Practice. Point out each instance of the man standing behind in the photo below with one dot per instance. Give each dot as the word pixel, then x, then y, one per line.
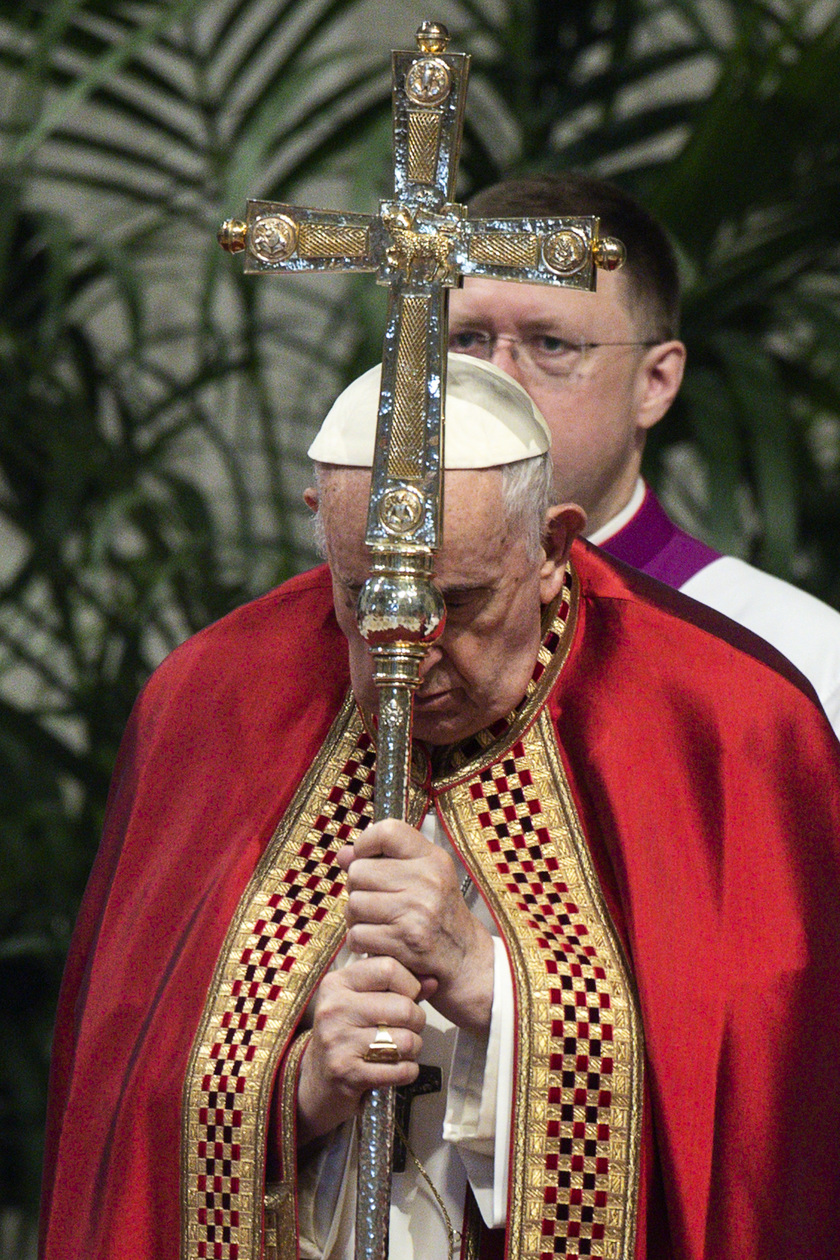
pixel 604 368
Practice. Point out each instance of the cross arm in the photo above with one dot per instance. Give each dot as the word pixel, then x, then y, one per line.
pixel 279 237
pixel 286 238
pixel 552 251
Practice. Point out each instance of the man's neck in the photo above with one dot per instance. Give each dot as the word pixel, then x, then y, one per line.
pixel 621 518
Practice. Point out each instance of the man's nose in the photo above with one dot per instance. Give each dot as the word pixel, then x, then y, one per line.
pixel 506 356
pixel 433 655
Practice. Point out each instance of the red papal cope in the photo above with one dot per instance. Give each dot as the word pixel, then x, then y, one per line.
pixel 655 832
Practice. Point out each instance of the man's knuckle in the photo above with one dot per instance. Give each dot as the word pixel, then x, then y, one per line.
pixel 392 971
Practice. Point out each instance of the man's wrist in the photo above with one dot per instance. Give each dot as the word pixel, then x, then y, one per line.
pixel 472 1003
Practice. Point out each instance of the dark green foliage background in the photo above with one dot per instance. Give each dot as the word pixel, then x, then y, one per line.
pixel 129 131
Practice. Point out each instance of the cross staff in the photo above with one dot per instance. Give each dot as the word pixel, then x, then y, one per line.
pixel 420 244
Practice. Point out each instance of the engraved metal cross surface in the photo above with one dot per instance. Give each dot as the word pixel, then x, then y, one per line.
pixel 420 244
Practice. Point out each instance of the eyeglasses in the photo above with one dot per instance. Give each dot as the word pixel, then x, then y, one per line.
pixel 541 354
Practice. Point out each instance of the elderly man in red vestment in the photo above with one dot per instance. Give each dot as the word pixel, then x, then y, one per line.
pixel 611 921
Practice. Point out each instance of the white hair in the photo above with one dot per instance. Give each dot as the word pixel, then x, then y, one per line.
pixel 527 494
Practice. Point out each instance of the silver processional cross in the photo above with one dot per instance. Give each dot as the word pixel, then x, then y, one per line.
pixel 420 244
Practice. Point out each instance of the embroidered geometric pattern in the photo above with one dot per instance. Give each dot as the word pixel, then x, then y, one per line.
pixel 579 1080
pixel 287 926
pixel 554 636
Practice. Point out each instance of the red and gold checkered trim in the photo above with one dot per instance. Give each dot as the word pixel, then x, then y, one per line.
pixel 578 1079
pixel 287 928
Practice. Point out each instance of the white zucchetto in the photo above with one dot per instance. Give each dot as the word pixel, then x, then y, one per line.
pixel 490 420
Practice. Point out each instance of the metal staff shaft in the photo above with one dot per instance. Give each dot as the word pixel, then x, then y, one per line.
pixel 419 244
pixel 377 1117
pixel 400 614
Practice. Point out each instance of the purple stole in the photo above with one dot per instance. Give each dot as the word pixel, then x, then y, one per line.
pixel 651 542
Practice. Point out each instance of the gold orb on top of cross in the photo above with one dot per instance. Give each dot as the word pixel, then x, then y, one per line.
pixel 432 37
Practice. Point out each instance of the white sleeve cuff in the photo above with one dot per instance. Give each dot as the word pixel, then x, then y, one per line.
pixel 326 1196
pixel 479 1097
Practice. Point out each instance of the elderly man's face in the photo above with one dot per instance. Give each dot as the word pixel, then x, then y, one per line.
pixel 479 668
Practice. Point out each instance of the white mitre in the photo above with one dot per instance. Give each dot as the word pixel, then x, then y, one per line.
pixel 490 420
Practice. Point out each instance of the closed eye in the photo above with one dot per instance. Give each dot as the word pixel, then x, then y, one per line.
pixel 468 599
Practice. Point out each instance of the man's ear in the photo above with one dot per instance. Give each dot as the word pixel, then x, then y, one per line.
pixel 563 523
pixel 660 380
pixel 310 498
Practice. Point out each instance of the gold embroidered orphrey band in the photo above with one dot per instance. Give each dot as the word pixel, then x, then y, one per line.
pixel 578 1077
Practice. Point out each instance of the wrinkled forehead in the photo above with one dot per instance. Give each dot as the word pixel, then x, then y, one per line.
pixel 343 498
pixel 341 488
pixel 472 519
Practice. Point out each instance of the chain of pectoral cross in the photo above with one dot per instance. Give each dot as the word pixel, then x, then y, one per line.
pixel 420 244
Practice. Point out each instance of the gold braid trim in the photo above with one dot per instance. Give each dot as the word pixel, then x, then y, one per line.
pixel 287 927
pixel 280 1241
pixel 473 1229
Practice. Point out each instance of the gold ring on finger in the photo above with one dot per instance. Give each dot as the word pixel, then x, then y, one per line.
pixel 383 1048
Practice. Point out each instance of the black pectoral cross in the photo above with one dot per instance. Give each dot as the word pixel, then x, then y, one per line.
pixel 429 1081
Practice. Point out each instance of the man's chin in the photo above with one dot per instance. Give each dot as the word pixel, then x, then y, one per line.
pixel 439 729
pixel 440 719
